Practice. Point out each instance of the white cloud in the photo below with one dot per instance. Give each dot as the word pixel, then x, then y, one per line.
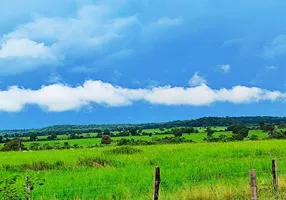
pixel 24 48
pixel 272 67
pixel 83 69
pixel 95 33
pixel 167 22
pixel 59 97
pixel 276 48
pixel 196 80
pixel 54 78
pixel 18 55
pixel 225 68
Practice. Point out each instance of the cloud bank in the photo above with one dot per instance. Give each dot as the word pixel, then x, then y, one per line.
pixel 59 97
pixel 94 34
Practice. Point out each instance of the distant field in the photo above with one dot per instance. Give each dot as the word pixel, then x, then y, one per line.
pixel 188 171
pixel 197 137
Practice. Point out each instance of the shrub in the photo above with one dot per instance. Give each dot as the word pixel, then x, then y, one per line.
pixel 106 139
pixel 278 135
pixel 254 137
pixel 13 145
pixel 124 150
pixel 97 162
pixel 35 166
pixel 35 146
pixel 238 129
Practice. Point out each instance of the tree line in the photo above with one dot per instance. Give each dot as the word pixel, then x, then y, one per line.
pixel 96 128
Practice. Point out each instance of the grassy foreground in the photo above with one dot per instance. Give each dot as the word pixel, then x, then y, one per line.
pixel 188 171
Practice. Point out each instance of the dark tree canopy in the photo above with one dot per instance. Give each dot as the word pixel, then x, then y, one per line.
pixel 106 139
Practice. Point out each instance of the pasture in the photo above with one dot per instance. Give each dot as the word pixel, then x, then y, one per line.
pixel 86 142
pixel 188 171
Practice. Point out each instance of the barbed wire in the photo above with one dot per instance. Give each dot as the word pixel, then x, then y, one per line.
pixel 164 182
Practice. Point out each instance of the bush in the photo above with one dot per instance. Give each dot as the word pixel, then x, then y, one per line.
pixel 278 135
pixel 35 166
pixel 124 150
pixel 97 162
pixel 254 137
pixel 106 139
pixel 35 146
pixel 238 129
pixel 13 145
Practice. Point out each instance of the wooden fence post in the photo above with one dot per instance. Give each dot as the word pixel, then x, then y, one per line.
pixel 275 178
pixel 253 184
pixel 156 183
pixel 28 188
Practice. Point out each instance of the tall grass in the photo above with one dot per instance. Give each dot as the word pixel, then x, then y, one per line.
pixel 188 171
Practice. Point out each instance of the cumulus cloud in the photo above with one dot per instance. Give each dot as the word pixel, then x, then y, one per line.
pixel 96 33
pixel 59 97
pixel 196 79
pixel 225 68
pixel 18 55
pixel 24 48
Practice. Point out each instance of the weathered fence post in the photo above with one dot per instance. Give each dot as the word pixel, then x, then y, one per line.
pixel 253 184
pixel 28 188
pixel 275 178
pixel 156 183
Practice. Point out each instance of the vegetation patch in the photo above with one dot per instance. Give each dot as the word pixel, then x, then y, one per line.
pixel 97 162
pixel 124 150
pixel 35 166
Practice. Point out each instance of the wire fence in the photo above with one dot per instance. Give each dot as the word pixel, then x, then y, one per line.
pixel 115 189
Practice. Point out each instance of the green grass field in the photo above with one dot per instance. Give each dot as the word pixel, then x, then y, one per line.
pixel 188 171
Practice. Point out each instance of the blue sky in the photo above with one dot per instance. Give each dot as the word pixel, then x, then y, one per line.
pixel 127 61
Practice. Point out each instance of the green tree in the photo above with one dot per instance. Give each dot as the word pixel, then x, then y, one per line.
pixel 106 132
pixel 178 132
pixel 13 145
pixel 33 136
pixel 52 137
pixel 239 129
pixel 106 139
pixel 210 132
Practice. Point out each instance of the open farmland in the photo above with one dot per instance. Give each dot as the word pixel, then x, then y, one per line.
pixel 188 171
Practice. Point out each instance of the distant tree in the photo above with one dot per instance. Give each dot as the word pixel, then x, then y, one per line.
pixel 261 125
pixel 52 137
pixel 239 129
pixel 106 132
pixel 33 136
pixel 1 138
pixel 210 132
pixel 150 134
pixel 189 130
pixel 106 139
pixel 270 128
pixel 196 130
pixel 13 145
pixel 178 132
pixel 133 131
pixel 66 145
pixel 140 130
pixel 73 136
